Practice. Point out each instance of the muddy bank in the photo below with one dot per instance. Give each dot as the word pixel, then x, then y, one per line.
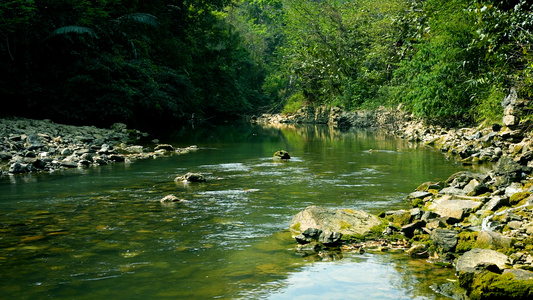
pixel 43 146
pixel 479 223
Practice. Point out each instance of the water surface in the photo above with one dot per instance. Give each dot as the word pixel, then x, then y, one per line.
pixel 102 232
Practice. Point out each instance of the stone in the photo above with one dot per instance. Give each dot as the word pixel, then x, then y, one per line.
pixel 170 199
pixel 495 203
pixel 514 225
pixel 460 179
pixel 430 185
pixel 165 147
pixel 470 259
pixel 329 238
pixel 452 191
pixel 33 141
pixel 436 223
pixel 282 154
pixel 507 165
pixel 191 177
pixel 117 158
pixel 348 222
pixel 308 236
pixel 444 239
pixel 510 120
pixel 409 229
pixel 134 149
pixel 519 274
pixel 17 168
pixel 429 215
pixel 418 251
pixel 66 152
pixel 5 156
pixel 69 164
pixel 416 213
pixel 447 206
pixel 118 127
pixel 419 195
pixel 493 240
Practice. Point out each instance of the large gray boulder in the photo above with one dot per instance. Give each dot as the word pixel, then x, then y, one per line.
pixel 451 207
pixel 472 258
pixel 348 222
pixel 444 239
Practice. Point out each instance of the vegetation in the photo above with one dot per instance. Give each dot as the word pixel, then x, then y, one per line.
pixel 155 63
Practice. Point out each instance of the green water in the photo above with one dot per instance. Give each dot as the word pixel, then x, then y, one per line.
pixel 101 233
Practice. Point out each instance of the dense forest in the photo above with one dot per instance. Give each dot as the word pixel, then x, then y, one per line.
pixel 154 63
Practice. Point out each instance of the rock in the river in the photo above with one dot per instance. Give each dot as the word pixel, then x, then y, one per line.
pixel 348 222
pixel 418 251
pixel 19 168
pixel 171 199
pixel 191 177
pixel 282 154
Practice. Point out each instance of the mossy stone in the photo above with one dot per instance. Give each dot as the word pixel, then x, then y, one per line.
pixel 517 197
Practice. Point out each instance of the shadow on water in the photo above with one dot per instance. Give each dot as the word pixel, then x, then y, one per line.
pixel 102 232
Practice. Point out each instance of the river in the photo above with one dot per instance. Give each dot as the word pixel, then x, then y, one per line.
pixel 101 233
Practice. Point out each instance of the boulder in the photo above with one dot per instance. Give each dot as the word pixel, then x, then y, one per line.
pixel 519 274
pixel 17 167
pixel 348 222
pixel 191 177
pixel 474 257
pixel 450 207
pixel 170 199
pixel 493 240
pixel 418 251
pixel 495 203
pixel 409 229
pixel 33 141
pixel 282 154
pixel 444 239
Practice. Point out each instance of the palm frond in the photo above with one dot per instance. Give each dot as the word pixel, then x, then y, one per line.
pixel 73 29
pixel 143 18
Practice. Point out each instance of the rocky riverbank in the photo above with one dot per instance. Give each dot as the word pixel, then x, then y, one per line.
pixel 43 146
pixel 481 223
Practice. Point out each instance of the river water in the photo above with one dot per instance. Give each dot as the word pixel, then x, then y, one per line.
pixel 101 233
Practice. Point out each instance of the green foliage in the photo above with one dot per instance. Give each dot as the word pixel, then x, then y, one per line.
pixel 146 64
pixel 295 102
pixel 88 61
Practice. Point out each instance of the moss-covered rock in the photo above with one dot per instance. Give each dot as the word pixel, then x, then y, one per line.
pixel 488 285
pixel 466 241
pixel 399 218
pixel 281 154
pixel 516 198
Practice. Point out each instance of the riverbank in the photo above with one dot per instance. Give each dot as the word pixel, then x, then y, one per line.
pixel 481 223
pixel 43 146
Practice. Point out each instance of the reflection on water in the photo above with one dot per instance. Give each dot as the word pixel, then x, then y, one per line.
pixel 102 232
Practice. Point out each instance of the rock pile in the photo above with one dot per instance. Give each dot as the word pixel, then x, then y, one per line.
pixel 41 145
